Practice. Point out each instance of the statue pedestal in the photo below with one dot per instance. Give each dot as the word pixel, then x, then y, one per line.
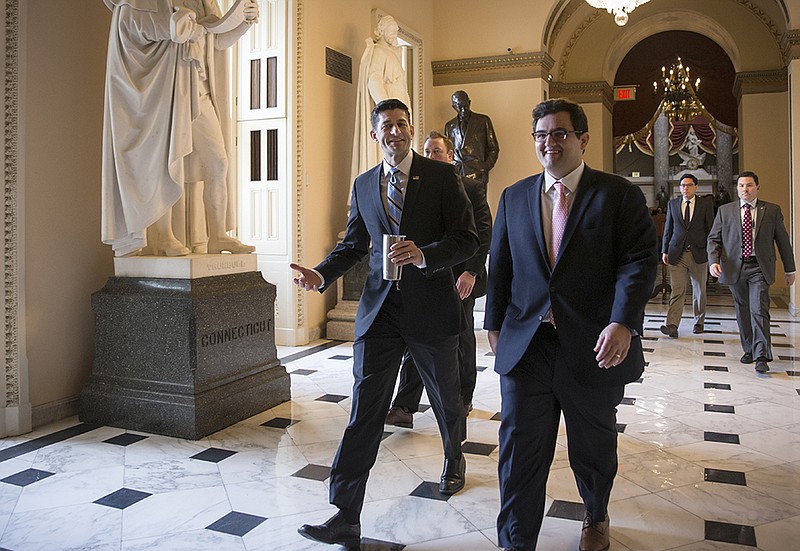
pixel 342 319
pixel 184 356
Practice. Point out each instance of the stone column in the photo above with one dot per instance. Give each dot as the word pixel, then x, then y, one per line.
pixel 661 155
pixel 725 160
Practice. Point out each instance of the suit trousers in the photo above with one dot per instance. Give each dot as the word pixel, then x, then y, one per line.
pixel 409 391
pixel 376 360
pixel 678 277
pixel 535 394
pixel 751 298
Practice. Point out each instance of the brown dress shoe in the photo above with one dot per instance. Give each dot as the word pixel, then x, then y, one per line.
pixel 399 417
pixel 670 330
pixel 594 535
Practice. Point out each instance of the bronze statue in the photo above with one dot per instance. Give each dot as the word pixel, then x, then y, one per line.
pixel 662 198
pixel 476 146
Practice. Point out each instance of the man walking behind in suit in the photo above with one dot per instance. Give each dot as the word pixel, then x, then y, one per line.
pixel 572 265
pixel 475 144
pixel 420 312
pixel 470 282
pixel 741 253
pixel 689 220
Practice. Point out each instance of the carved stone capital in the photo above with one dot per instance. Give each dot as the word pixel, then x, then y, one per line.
pixel 760 82
pixel 584 92
pixel 492 68
pixel 790 44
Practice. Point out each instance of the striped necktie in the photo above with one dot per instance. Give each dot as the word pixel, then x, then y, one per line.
pixel 394 196
pixel 560 213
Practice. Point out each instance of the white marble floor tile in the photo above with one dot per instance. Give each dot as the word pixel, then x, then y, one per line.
pixel 778 443
pixel 781 482
pixel 170 475
pixel 86 526
pixel 187 541
pixel 473 541
pixel 780 535
pixel 647 523
pixel 659 470
pixel 72 488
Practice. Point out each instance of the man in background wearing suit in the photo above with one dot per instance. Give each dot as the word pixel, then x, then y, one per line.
pixel 422 199
pixel 474 141
pixel 470 282
pixel 689 220
pixel 572 265
pixel 741 253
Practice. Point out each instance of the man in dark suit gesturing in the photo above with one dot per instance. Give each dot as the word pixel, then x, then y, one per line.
pixel 689 220
pixel 572 265
pixel 421 311
pixel 741 253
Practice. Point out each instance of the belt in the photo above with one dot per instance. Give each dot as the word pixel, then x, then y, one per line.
pixel 749 259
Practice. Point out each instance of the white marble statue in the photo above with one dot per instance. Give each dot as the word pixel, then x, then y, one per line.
pixel 380 76
pixel 693 159
pixel 164 128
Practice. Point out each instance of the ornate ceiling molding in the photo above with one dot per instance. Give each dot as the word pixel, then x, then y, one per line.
pixel 760 82
pixel 791 44
pixel 584 92
pixel 492 68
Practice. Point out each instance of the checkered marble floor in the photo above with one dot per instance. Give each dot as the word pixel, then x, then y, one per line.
pixel 709 460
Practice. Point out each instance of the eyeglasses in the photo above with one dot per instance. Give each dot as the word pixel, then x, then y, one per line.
pixel 688 185
pixel 559 134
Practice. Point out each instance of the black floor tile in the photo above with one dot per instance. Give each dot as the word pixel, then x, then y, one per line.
pixel 717 386
pixel 790 358
pixel 340 357
pixel 725 477
pixel 569 510
pixel 386 434
pixel 309 351
pixel 499 417
pixel 38 443
pixel 236 524
pixel 628 401
pixel 781 345
pixel 26 477
pixel 712 341
pixel 714 354
pixel 730 533
pixel 621 427
pixel 489 354
pixel 302 372
pixel 314 472
pixel 125 439
pixel 424 407
pixel 122 498
pixel 369 544
pixel 335 398
pixel 481 368
pixel 715 368
pixel 213 455
pixel 278 423
pixel 477 448
pixel 723 437
pixel 639 380
pixel 429 490
pixel 793 373
pixel 648 349
pixel 718 408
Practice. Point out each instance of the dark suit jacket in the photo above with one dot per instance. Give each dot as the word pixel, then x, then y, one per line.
pixel 725 241
pixel 604 273
pixel 476 192
pixel 677 236
pixel 476 150
pixel 437 216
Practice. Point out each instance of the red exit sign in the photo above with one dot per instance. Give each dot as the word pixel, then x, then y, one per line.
pixel 625 93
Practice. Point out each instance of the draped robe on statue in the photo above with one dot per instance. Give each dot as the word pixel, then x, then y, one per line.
pixel 154 79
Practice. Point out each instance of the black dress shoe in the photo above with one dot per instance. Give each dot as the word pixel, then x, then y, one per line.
pixel 761 365
pixel 335 530
pixel 747 358
pixel 453 476
pixel 670 330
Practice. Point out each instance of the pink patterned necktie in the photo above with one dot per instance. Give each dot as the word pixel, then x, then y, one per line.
pixel 560 213
pixel 747 232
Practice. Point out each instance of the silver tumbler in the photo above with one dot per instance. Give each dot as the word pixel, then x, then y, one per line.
pixel 391 271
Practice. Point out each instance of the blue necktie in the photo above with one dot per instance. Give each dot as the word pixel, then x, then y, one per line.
pixel 394 196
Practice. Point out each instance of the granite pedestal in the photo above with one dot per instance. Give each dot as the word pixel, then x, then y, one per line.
pixel 341 324
pixel 184 357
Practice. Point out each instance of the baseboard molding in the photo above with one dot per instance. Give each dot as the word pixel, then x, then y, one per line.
pixel 54 411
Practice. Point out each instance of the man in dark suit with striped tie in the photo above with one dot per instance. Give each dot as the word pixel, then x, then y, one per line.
pixel 421 311
pixel 741 253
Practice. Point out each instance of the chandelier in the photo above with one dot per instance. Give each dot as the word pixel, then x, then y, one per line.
pixel 680 100
pixel 620 8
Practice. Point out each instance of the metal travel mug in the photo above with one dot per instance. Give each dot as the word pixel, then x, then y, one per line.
pixel 391 271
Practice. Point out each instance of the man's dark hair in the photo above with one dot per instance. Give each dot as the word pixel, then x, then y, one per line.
pixel 749 174
pixel 692 177
pixel 387 105
pixel 434 135
pixel 557 105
